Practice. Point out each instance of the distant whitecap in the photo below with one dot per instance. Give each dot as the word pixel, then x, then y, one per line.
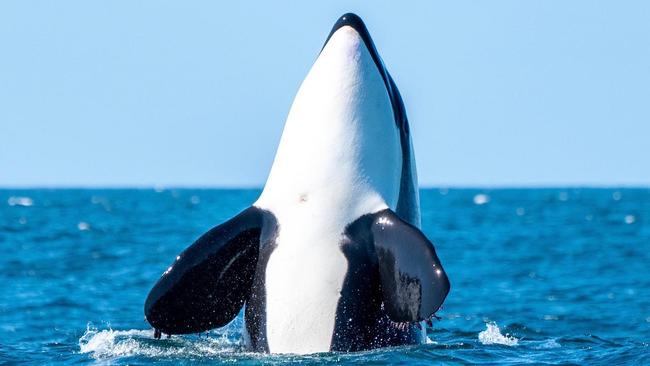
pixel 563 196
pixel 195 200
pixel 630 219
pixel 520 211
pixel 83 226
pixel 481 199
pixel 549 343
pixel 20 201
pixel 616 196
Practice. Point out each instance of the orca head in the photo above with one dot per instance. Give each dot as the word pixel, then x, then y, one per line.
pixel 354 21
pixel 343 137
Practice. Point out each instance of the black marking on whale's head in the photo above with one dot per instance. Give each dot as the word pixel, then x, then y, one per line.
pixel 354 21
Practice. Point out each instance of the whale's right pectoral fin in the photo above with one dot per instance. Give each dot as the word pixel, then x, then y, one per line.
pixel 413 282
pixel 209 282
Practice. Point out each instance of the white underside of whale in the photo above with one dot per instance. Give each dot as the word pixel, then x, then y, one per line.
pixel 339 158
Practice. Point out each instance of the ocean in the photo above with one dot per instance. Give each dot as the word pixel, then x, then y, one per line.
pixel 538 276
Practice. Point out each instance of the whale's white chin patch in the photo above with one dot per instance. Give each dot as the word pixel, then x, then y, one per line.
pixel 338 159
pixel 340 146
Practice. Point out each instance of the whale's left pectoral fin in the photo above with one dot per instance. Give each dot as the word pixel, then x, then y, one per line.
pixel 209 282
pixel 413 282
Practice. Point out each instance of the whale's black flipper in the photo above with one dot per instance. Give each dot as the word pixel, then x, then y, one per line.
pixel 413 282
pixel 209 282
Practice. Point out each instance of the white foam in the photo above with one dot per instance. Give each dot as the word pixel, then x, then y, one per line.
pixel 20 201
pixel 548 344
pixel 492 335
pixel 109 343
pixel 481 199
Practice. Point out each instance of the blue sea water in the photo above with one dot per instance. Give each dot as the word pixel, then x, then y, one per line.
pixel 542 276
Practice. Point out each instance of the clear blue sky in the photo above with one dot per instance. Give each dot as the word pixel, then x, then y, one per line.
pixel 139 93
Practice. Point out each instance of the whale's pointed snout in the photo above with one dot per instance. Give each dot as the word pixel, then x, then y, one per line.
pixel 353 21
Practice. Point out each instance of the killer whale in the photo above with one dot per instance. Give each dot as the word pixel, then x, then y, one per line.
pixel 330 256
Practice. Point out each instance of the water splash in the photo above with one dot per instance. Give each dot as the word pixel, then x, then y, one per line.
pixel 109 343
pixel 492 335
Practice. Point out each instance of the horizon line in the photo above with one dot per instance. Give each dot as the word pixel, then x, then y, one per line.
pixel 260 187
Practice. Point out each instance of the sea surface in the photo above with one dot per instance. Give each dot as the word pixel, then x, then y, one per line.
pixel 541 276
